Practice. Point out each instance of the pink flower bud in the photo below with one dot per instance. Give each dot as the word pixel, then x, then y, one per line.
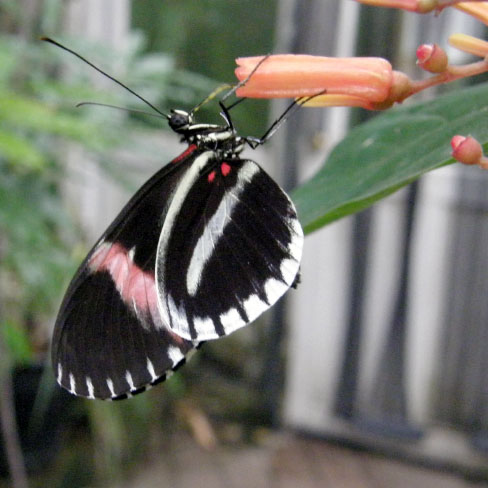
pixel 432 58
pixel 466 150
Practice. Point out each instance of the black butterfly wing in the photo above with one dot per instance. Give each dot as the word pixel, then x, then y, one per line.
pixel 230 247
pixel 109 340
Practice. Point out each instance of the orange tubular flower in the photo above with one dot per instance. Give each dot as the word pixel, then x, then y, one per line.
pixel 363 82
pixel 425 6
pixel 478 10
pixel 469 44
pixel 371 82
pixel 419 6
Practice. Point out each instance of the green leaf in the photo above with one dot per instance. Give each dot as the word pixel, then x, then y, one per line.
pixel 29 114
pixel 17 342
pixel 388 152
pixel 20 151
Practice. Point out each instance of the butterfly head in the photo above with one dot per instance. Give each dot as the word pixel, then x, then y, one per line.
pixel 180 121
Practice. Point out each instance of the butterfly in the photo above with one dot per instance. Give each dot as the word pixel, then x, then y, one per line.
pixel 202 249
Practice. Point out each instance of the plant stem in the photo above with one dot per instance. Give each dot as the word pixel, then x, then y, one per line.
pixel 453 73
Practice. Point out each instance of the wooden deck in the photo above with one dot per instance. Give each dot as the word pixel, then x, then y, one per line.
pixel 286 461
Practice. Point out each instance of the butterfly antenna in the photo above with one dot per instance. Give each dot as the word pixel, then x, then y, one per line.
pixel 130 110
pixel 47 39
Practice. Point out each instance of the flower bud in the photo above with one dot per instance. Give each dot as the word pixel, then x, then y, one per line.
pixel 432 58
pixel 466 150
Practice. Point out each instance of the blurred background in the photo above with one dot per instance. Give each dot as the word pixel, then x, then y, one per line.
pixel 382 349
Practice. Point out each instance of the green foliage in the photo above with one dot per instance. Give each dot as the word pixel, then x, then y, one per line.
pixel 379 157
pixel 40 241
pixel 38 123
pixel 16 340
pixel 34 259
pixel 205 36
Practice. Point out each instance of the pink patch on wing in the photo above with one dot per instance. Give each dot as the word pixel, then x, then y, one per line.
pixel 185 153
pixel 136 286
pixel 211 176
pixel 225 168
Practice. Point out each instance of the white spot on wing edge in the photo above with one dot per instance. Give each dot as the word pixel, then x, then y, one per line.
pixel 60 373
pixel 274 289
pixel 175 354
pixel 289 269
pixel 152 372
pixel 205 327
pixel 72 384
pixel 130 381
pixel 110 385
pixel 231 320
pixel 89 385
pixel 254 307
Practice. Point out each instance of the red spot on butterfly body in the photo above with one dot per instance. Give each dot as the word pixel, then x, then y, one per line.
pixel 211 176
pixel 225 168
pixel 185 153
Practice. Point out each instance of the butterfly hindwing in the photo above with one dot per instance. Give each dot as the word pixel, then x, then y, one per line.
pixel 110 340
pixel 202 249
pixel 229 249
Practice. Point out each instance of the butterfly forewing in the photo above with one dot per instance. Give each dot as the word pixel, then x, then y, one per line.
pixel 110 340
pixel 230 247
